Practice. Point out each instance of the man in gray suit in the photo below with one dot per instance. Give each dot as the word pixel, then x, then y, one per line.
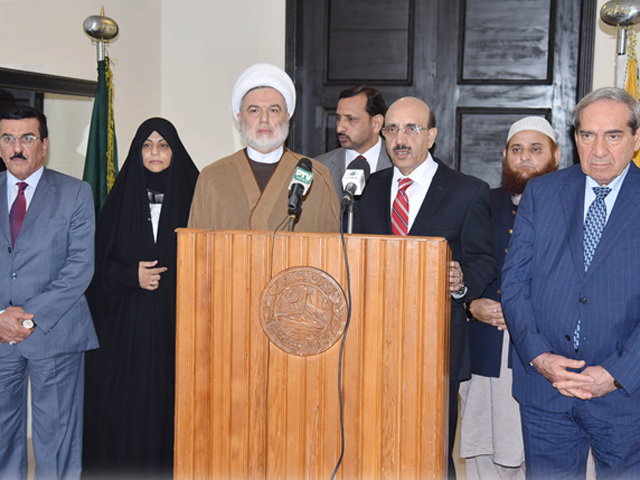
pixel 359 119
pixel 47 224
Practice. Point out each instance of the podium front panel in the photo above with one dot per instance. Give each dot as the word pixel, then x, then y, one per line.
pixel 245 409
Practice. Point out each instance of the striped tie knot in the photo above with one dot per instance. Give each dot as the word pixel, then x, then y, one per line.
pixel 404 183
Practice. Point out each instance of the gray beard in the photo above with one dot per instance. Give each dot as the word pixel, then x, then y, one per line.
pixel 264 145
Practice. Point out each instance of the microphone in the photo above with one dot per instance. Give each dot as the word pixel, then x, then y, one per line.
pixel 300 183
pixel 354 179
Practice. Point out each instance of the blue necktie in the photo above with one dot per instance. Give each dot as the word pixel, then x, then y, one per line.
pixel 593 227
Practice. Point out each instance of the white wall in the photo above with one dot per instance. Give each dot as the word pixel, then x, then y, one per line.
pixel 205 46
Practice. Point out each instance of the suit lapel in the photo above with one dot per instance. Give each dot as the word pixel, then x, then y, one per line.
pixel 5 229
pixel 383 158
pixel 382 200
pixel 338 160
pixel 435 195
pixel 41 198
pixel 625 210
pixel 572 206
pixel 336 167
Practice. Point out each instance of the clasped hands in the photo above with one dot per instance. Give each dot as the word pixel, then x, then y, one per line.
pixel 592 382
pixel 11 329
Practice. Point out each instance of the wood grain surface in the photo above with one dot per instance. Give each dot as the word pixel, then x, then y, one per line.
pixel 247 410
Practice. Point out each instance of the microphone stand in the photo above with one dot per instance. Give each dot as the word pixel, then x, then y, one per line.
pixel 351 210
pixel 293 216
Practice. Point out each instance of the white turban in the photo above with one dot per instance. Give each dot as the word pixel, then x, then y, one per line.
pixel 537 124
pixel 263 75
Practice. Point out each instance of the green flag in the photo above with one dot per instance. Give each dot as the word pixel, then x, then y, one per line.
pixel 101 162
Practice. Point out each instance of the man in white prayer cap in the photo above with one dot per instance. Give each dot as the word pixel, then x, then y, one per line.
pixel 249 190
pixel 491 437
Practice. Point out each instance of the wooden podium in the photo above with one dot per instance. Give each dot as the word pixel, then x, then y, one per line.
pixel 245 409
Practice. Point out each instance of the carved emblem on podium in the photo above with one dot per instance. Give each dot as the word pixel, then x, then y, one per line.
pixel 303 311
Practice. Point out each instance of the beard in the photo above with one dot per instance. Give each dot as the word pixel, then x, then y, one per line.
pixel 265 144
pixel 514 180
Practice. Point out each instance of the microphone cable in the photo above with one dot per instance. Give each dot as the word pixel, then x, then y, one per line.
pixel 344 338
pixel 266 394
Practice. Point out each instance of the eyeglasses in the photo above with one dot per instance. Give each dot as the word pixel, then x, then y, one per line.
pixel 26 140
pixel 410 129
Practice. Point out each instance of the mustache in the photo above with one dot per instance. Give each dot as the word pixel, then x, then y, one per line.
pixel 344 135
pixel 401 147
pixel 264 126
pixel 18 155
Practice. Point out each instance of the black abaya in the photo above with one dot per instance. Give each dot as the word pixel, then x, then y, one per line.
pixel 129 392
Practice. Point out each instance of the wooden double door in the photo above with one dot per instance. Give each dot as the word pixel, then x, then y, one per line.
pixel 479 64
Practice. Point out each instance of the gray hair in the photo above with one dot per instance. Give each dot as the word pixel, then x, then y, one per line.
pixel 609 94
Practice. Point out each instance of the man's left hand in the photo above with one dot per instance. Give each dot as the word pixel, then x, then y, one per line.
pixel 456 280
pixel 602 384
pixel 603 381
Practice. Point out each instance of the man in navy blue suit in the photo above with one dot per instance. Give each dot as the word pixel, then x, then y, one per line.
pixel 490 435
pixel 422 196
pixel 571 298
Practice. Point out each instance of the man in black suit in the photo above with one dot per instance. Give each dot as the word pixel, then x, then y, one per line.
pixel 422 196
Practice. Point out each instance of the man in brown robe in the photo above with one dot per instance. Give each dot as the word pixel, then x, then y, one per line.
pixel 249 189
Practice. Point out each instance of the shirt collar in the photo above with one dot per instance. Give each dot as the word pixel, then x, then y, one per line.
pixel 422 175
pixel 32 180
pixel 614 185
pixel 271 157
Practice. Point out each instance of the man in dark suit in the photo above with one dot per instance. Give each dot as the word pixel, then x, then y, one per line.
pixel 359 119
pixel 490 435
pixel 421 196
pixel 46 263
pixel 571 298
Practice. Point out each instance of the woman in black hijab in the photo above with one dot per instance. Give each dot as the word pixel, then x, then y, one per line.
pixel 129 392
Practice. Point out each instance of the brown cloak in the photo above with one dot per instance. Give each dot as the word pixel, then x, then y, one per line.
pixel 227 197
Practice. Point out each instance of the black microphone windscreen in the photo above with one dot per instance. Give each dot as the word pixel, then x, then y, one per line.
pixel 305 164
pixel 360 164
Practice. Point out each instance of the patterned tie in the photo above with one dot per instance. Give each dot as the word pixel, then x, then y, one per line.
pixel 594 224
pixel 18 210
pixel 400 212
pixel 593 227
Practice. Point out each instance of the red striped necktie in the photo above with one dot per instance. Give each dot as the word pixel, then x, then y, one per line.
pixel 400 212
pixel 17 212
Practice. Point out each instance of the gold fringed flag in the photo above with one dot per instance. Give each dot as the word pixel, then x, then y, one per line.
pixel 101 162
pixel 632 75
